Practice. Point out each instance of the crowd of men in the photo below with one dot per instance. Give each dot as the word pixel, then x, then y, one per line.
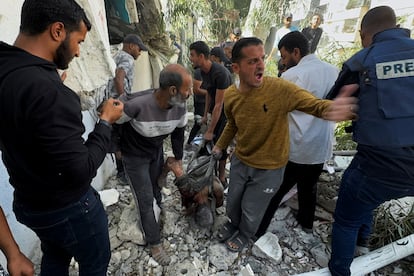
pixel 282 128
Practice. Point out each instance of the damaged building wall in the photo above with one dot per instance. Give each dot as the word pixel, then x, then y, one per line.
pixel 146 19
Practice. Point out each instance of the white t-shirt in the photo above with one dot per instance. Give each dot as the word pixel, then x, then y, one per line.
pixel 282 32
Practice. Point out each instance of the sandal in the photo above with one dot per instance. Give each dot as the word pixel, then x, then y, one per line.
pixel 159 254
pixel 237 243
pixel 226 232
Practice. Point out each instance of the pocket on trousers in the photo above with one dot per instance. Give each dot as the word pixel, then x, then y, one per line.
pixel 60 233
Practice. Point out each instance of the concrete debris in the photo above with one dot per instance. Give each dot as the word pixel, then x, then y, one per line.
pixel 268 246
pixel 195 250
pixel 109 197
pixel 376 259
pixel 246 271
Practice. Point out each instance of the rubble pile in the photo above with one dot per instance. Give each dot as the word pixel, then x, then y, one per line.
pixel 288 249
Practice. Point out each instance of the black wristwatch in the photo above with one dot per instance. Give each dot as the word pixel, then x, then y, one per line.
pixel 104 122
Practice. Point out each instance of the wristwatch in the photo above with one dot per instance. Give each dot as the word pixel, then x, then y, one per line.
pixel 104 122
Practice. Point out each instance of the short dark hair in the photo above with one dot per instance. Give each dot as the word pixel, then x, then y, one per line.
pixel 200 47
pixel 236 53
pixel 170 78
pixel 318 14
pixel 37 15
pixel 294 40
pixel 378 19
pixel 217 52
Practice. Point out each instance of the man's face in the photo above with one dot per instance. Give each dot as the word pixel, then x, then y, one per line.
pixel 251 67
pixel 135 51
pixel 195 58
pixel 180 98
pixel 69 48
pixel 287 21
pixel 227 51
pixel 234 37
pixel 289 59
pixel 316 21
pixel 215 59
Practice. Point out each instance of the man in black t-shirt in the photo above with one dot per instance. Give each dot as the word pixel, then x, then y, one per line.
pixel 313 33
pixel 216 79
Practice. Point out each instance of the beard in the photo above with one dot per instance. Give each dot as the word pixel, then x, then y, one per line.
pixel 63 55
pixel 177 100
pixel 290 64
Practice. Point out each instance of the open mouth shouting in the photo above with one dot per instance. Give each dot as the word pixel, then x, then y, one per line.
pixel 259 76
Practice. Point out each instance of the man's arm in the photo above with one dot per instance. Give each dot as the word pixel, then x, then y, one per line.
pixel 229 132
pixel 74 159
pixel 215 115
pixel 197 90
pixel 177 142
pixel 344 106
pixel 119 80
pixel 346 76
pixel 17 262
pixel 206 108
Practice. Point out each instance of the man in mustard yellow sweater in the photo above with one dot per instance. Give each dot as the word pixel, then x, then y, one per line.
pixel 257 112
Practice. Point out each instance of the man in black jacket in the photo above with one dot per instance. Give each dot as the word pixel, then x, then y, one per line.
pixel 50 165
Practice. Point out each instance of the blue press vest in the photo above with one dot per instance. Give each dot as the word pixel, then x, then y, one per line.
pixel 386 97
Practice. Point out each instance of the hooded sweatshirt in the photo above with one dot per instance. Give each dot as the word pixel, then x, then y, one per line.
pixel 49 163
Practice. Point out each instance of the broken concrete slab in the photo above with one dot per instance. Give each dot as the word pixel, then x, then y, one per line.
pixel 267 246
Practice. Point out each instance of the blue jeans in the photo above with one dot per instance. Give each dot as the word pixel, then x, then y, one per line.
pixel 79 230
pixel 359 195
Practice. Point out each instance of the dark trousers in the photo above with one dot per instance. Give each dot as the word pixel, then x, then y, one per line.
pixel 143 173
pixel 198 110
pixel 79 230
pixel 306 177
pixel 193 132
pixel 359 194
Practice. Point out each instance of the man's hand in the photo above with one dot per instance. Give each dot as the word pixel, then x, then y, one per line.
pixel 344 107
pixel 111 110
pixel 176 166
pixel 208 136
pixel 217 153
pixel 20 265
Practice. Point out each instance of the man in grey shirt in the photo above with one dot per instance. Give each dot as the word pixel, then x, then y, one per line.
pixel 124 59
